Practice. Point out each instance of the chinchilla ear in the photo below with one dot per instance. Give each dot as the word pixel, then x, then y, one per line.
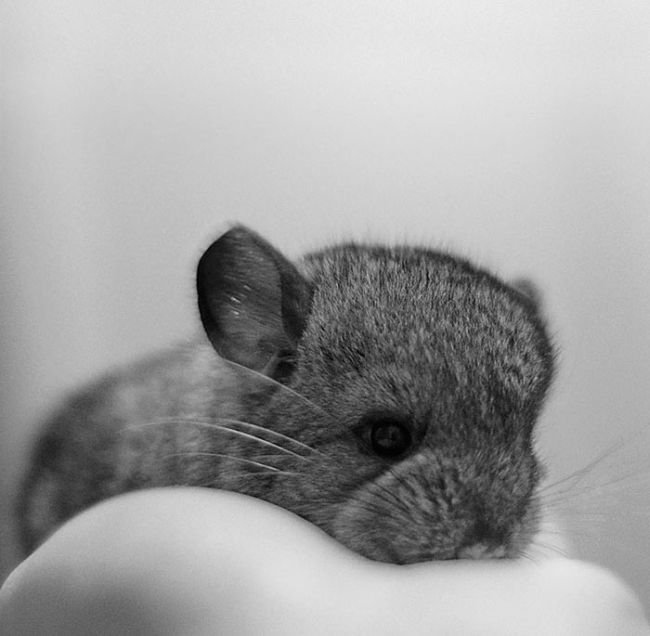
pixel 529 290
pixel 253 302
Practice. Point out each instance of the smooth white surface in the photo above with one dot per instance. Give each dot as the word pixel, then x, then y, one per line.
pixel 516 131
pixel 190 561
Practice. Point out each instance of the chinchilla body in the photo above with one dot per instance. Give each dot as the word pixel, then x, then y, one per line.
pixel 387 394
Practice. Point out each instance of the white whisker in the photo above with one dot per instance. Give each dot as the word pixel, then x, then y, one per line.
pixel 215 425
pixel 224 456
pixel 271 432
pixel 281 386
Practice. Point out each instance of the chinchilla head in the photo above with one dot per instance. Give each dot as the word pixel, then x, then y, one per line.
pixel 409 380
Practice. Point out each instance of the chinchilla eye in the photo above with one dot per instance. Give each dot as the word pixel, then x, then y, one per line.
pixel 389 437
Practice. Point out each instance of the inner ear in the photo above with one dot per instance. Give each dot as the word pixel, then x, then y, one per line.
pixel 253 302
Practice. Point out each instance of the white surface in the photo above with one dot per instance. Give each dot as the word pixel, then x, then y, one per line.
pixel 234 565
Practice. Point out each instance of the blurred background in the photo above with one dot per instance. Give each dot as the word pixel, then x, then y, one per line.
pixel 514 132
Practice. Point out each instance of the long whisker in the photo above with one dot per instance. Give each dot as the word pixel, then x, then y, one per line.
pixel 576 477
pixel 253 474
pixel 596 489
pixel 542 548
pixel 272 432
pixel 551 547
pixel 279 456
pixel 576 513
pixel 579 474
pixel 281 386
pixel 224 456
pixel 259 440
pixel 215 425
pixel 571 501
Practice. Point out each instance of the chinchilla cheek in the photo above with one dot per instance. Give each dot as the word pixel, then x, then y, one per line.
pixel 396 521
pixel 423 510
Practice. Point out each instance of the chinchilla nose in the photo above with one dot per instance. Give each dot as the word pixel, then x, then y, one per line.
pixel 481 551
pixel 483 541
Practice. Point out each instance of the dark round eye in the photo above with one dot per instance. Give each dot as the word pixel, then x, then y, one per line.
pixel 389 438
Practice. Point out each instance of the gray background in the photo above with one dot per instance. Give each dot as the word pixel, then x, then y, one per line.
pixel 514 132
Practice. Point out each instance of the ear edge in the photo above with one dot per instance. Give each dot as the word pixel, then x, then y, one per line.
pixel 253 302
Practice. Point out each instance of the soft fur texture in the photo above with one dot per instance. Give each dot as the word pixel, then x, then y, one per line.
pixel 313 358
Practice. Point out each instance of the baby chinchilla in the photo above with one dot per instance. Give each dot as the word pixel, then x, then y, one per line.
pixel 387 394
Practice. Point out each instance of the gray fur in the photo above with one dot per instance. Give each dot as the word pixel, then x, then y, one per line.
pixel 354 332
